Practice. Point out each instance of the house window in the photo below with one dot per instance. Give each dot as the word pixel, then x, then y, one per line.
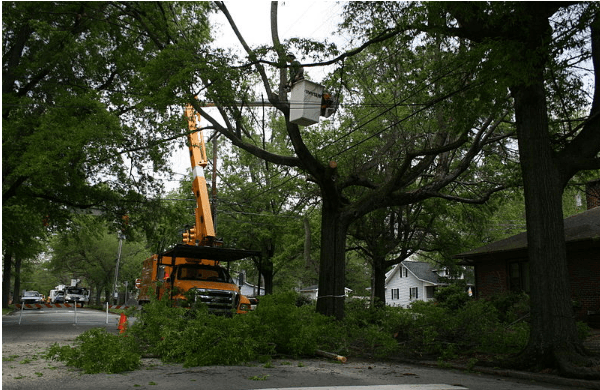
pixel 430 292
pixel 518 276
pixel 414 293
pixel 395 293
pixel 405 273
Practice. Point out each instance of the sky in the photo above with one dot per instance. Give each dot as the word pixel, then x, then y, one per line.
pixel 296 19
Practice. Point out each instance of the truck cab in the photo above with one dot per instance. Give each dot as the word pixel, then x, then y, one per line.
pixel 189 272
pixel 76 295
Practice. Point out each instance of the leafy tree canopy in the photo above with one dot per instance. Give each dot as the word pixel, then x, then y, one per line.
pixel 77 129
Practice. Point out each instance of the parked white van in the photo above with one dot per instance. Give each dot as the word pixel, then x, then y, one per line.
pixel 77 294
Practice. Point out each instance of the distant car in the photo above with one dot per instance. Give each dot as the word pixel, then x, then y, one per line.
pixel 31 297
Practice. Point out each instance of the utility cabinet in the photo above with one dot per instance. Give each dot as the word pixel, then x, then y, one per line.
pixel 305 102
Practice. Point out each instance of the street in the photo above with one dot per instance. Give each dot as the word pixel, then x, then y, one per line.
pixel 24 368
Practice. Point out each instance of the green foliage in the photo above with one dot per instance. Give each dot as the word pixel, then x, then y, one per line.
pixel 210 340
pixel 157 317
pixel 583 330
pixel 196 338
pixel 279 326
pixel 453 296
pixel 436 329
pixel 98 351
pixel 83 131
pixel 294 330
pixel 254 216
pixel 369 330
pixel 89 249
pixel 511 306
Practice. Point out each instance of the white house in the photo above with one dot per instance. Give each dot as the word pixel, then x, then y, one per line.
pixel 312 292
pixel 410 281
pixel 248 289
pixel 251 290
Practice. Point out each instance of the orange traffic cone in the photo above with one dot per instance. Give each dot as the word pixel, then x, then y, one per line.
pixel 122 323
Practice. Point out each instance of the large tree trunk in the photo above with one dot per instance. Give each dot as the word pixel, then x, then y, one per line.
pixel 17 292
pixel 379 266
pixel 107 295
pixel 553 339
pixel 268 279
pixel 332 274
pixel 265 266
pixel 98 293
pixel 268 275
pixel 307 242
pixel 6 277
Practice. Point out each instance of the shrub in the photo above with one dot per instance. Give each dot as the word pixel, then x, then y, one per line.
pixel 279 326
pixel 583 330
pixel 293 330
pixel 440 331
pixel 511 306
pixel 156 319
pixel 453 296
pixel 427 328
pixel 369 330
pixel 194 337
pixel 210 339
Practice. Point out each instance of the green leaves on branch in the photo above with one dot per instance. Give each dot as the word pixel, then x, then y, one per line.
pixel 284 325
pixel 97 351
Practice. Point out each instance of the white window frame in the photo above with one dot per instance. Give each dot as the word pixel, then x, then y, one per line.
pixel 413 293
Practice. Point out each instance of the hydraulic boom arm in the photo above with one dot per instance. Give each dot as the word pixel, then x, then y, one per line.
pixel 204 231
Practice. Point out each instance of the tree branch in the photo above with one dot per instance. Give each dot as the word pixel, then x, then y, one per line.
pixel 270 95
pixel 582 152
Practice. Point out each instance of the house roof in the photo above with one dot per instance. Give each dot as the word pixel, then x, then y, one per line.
pixel 579 228
pixel 422 271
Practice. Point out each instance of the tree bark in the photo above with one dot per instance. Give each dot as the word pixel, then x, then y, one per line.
pixel 6 277
pixel 379 266
pixel 553 328
pixel 307 242
pixel 332 269
pixel 16 292
pixel 268 279
pixel 98 293
pixel 553 340
pixel 266 266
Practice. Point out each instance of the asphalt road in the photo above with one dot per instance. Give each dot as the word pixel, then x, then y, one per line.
pixel 24 368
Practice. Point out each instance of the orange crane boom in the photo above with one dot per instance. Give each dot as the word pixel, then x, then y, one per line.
pixel 203 233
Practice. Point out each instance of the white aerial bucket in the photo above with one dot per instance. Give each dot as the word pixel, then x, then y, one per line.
pixel 305 103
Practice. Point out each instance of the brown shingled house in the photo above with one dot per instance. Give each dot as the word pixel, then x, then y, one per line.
pixel 503 265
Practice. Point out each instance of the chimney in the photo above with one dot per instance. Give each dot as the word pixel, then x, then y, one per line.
pixel 592 194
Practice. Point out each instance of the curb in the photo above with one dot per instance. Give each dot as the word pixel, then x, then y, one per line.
pixel 48 305
pixel 530 376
